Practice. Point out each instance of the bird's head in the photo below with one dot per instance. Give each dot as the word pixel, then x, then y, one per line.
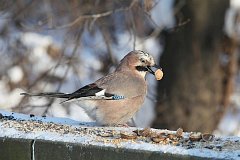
pixel 138 61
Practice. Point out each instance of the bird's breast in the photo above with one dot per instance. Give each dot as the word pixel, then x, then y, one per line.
pixel 132 87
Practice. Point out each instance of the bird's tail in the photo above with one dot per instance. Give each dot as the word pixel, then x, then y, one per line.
pixel 48 94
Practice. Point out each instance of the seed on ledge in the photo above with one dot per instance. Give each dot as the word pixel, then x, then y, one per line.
pixel 195 136
pixel 207 137
pixel 158 139
pixel 179 132
pixel 126 135
pixel 146 132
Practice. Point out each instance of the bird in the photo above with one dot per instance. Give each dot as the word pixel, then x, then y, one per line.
pixel 115 98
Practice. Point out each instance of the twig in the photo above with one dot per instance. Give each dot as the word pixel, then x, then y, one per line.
pixel 95 16
pixel 179 25
pixel 179 6
pixel 133 30
pixel 65 73
pixel 109 49
pixel 159 29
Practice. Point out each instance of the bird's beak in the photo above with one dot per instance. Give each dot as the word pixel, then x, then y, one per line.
pixel 150 70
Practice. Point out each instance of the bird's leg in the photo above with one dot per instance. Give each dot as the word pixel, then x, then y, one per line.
pixel 134 122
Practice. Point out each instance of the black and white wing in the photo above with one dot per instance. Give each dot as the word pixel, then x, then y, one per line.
pixel 91 91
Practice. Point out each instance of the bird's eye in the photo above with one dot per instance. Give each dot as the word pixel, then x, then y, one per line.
pixel 143 61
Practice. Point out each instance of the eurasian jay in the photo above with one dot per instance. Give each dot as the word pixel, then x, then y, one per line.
pixel 115 98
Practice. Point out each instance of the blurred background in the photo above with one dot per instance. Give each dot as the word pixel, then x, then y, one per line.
pixel 64 45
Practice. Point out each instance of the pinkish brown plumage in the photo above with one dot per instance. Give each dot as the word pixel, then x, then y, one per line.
pixel 116 97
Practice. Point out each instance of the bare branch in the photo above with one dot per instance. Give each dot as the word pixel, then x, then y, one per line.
pixel 95 16
pixel 109 48
pixel 133 30
pixel 65 73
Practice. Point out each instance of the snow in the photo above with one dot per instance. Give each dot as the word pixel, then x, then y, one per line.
pixel 38 43
pixel 9 99
pixel 15 74
pixel 20 116
pixel 232 24
pixel 163 7
pixel 230 124
pixel 235 3
pixel 33 40
pixel 7 129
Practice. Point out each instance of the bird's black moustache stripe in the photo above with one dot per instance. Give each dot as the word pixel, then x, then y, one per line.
pixel 145 69
pixel 141 68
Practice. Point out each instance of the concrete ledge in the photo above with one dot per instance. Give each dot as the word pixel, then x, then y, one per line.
pixel 11 148
pixel 92 152
pixel 32 137
pixel 22 149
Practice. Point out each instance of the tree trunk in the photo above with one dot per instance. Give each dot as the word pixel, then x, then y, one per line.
pixel 193 82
